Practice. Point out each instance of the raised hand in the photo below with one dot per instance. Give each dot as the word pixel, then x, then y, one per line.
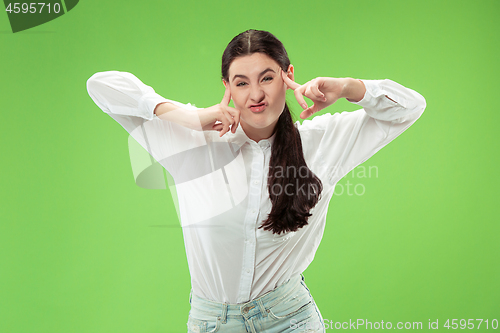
pixel 323 91
pixel 220 117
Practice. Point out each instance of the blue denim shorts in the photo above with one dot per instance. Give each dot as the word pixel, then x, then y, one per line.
pixel 288 308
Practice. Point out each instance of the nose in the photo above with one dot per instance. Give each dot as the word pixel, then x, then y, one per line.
pixel 256 94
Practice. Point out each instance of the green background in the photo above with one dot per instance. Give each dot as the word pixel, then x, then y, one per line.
pixel 84 249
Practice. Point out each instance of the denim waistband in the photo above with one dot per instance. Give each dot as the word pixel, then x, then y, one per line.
pixel 248 309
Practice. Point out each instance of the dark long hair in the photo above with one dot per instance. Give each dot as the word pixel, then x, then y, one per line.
pixel 298 191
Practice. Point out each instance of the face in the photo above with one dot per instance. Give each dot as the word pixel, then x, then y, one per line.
pixel 258 91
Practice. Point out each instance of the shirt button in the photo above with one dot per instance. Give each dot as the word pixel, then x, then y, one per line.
pixel 256 182
pixel 253 211
pixel 248 271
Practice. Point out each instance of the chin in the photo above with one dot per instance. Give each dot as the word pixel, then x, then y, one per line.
pixel 259 124
pixel 261 120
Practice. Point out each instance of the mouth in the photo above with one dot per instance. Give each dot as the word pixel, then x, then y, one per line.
pixel 258 108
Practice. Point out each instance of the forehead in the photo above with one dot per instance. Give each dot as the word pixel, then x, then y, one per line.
pixel 252 65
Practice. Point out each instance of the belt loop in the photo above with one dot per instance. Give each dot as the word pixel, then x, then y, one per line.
pixel 224 313
pixel 262 308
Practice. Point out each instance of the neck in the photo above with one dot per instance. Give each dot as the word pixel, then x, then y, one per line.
pixel 257 134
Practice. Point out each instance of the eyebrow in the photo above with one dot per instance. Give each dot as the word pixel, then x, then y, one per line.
pixel 261 73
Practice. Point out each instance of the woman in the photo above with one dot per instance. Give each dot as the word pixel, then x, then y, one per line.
pixel 253 186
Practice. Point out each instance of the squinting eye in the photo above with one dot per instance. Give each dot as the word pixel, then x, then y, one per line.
pixel 240 84
pixel 268 78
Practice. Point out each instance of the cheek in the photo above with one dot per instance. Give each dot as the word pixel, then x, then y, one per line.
pixel 279 95
pixel 239 100
pixel 238 104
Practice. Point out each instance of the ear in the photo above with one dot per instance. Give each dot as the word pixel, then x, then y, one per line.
pixel 290 72
pixel 225 83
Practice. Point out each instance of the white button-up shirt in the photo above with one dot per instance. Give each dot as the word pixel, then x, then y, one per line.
pixel 221 182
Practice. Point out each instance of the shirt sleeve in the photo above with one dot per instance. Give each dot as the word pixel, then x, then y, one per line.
pixel 131 103
pixel 342 141
pixel 122 93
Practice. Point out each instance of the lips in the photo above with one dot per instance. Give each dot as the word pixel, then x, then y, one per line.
pixel 257 108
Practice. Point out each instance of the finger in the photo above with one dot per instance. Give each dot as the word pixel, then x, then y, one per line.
pixel 316 92
pixel 229 118
pixel 306 113
pixel 217 127
pixel 236 116
pixel 224 129
pixel 300 98
pixel 309 111
pixel 225 123
pixel 312 94
pixel 227 96
pixel 291 84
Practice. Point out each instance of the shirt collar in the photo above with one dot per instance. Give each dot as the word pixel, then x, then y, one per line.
pixel 239 138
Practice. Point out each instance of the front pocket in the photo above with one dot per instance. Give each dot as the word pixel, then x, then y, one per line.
pixel 203 326
pixel 283 311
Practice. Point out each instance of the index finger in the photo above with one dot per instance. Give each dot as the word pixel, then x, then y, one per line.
pixel 293 85
pixel 227 96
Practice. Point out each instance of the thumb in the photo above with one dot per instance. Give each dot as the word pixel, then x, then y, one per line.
pixel 309 111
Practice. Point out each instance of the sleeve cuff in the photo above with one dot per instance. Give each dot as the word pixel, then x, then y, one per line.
pixel 378 88
pixel 388 100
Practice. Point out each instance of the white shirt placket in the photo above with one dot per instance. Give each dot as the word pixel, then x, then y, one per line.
pixel 254 198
